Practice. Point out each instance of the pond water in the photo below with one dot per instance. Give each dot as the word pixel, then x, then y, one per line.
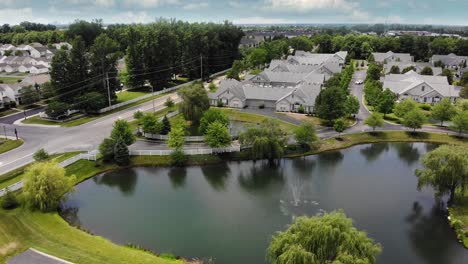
pixel 228 212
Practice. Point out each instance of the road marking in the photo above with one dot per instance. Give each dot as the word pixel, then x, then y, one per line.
pixel 17 159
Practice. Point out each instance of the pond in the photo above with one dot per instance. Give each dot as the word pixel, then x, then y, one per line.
pixel 228 212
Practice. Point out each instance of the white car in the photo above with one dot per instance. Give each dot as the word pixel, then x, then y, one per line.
pixel 359 82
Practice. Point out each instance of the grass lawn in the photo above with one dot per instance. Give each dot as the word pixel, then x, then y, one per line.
pixel 459 211
pixel 239 116
pixel 159 114
pixel 8 112
pixel 132 94
pixel 9 80
pixel 9 145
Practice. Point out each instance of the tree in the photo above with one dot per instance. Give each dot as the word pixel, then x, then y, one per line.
pixel 210 116
pixel 9 200
pixel 194 102
pixel 121 153
pixel 386 101
pixel 134 60
pixel 212 87
pixel 464 92
pixel 41 155
pixel 371 59
pixel 340 125
pixel 352 105
pixel 59 76
pixel 166 126
pixel 404 107
pixel 233 73
pixel 122 130
pixel 330 238
pixel 443 111
pixel 266 141
pixel 448 73
pixel 374 120
pixel 414 119
pixel 91 102
pixel 45 184
pixel 460 121
pixel 408 69
pixel 330 103
pixel 169 103
pixel 178 158
pixel 47 90
pixel 151 124
pixel 464 79
pixel 395 69
pixel 57 109
pixel 445 169
pixel 106 148
pixel 138 114
pixel 29 95
pixel 373 72
pixel 427 71
pixel 177 137
pixel 305 134
pixel 257 58
pixel 372 91
pixel 217 135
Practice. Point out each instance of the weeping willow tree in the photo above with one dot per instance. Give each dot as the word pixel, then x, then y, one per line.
pixel 265 141
pixel 445 169
pixel 194 102
pixel 330 238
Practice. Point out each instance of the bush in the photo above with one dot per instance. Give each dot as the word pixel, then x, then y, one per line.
pixel 57 109
pixel 301 109
pixel 178 158
pixel 169 103
pixel 219 103
pixel 9 200
pixel 107 149
pixel 426 107
pixel 41 155
pixel 212 87
pixel 262 106
pixel 138 114
pixel 121 153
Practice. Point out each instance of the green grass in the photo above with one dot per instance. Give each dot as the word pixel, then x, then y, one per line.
pixel 131 94
pixel 192 130
pixel 236 115
pixel 9 145
pixel 9 80
pixel 8 112
pixel 159 114
pixel 459 211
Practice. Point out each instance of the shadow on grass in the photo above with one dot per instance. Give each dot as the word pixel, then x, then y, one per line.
pixel 417 135
pixel 378 134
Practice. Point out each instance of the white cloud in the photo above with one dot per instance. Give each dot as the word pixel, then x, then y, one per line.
pixel 14 16
pixel 105 3
pixel 193 6
pixel 149 3
pixel 132 17
pixel 262 20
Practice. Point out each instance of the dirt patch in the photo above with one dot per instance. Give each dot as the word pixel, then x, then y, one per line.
pixel 304 118
pixel 8 248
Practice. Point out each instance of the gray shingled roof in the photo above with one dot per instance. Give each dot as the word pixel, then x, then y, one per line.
pixel 381 57
pixel 450 59
pixel 400 83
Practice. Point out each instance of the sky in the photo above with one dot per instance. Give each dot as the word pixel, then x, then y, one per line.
pixel 440 12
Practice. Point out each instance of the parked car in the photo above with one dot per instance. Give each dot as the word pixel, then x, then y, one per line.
pixel 359 82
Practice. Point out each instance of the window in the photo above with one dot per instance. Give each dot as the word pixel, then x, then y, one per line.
pixel 422 88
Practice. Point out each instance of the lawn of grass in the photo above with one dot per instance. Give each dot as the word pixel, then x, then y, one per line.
pixel 9 145
pixel 236 115
pixel 459 211
pixel 158 114
pixel 9 80
pixel 131 94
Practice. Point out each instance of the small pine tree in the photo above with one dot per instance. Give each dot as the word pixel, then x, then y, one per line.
pixel 41 155
pixel 121 153
pixel 178 158
pixel 9 200
pixel 166 126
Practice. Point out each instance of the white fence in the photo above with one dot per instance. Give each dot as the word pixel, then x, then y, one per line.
pixel 198 151
pixel 166 137
pixel 91 155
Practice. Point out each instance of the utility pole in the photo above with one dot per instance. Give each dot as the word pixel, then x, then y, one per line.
pixel 201 67
pixel 4 130
pixel 108 88
pixel 16 134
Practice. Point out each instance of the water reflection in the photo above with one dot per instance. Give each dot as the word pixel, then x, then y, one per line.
pixel 261 176
pixel 70 214
pixel 373 151
pixel 177 175
pixel 426 232
pixel 330 159
pixel 124 180
pixel 304 166
pixel 407 152
pixel 216 175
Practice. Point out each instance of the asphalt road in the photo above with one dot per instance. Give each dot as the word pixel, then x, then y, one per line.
pixel 12 118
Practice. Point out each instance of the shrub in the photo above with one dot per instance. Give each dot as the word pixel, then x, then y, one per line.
pixel 166 126
pixel 212 87
pixel 425 107
pixel 219 103
pixel 41 155
pixel 301 109
pixel 121 153
pixel 169 103
pixel 9 200
pixel 178 158
pixel 138 114
pixel 107 149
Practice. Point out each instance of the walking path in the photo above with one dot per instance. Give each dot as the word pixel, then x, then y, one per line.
pixel 33 256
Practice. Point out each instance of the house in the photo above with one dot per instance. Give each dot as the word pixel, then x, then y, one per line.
pixel 417 65
pixel 4 99
pixel 35 79
pixel 10 68
pixel 59 46
pixel 38 52
pixel 237 94
pixel 251 41
pixel 38 69
pixel 12 91
pixel 421 88
pixel 6 47
pixel 285 79
pixel 307 58
pixel 390 56
pixel 450 60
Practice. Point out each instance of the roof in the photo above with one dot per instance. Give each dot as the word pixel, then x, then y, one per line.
pixel 39 79
pixel 418 65
pixel 381 57
pixel 450 59
pixel 401 83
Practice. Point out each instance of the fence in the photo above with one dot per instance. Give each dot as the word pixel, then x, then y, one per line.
pixel 199 151
pixel 166 137
pixel 91 155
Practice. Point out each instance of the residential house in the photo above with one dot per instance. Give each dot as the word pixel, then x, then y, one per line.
pixel 452 61
pixel 251 41
pixel 285 79
pixel 390 56
pixel 59 46
pixel 421 88
pixel 243 94
pixel 417 65
pixel 12 91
